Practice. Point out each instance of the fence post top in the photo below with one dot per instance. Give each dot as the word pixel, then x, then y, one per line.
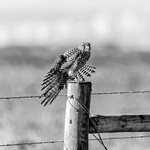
pixel 79 82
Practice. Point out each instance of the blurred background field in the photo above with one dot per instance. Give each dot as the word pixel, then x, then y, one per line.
pixel 33 33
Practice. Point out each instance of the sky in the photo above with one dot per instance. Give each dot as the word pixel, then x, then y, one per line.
pixel 52 22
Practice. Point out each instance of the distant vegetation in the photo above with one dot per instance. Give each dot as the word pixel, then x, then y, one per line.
pixel 43 56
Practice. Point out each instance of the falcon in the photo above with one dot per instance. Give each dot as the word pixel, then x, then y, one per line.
pixel 69 66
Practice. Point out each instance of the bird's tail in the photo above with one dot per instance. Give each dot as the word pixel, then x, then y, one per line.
pixel 52 86
pixel 86 70
pixel 80 76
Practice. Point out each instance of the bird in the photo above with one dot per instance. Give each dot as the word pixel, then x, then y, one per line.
pixel 68 66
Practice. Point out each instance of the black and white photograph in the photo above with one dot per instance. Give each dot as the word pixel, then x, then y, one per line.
pixel 74 74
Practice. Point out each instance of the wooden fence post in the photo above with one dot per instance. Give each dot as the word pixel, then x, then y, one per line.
pixel 77 119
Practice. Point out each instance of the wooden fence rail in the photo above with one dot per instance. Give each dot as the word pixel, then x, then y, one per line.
pixel 124 123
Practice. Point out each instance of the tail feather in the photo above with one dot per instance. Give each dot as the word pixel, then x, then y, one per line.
pixel 91 67
pixel 88 68
pixel 80 77
pixel 85 73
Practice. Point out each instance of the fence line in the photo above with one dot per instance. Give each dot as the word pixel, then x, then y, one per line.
pixel 30 143
pixel 95 93
pixel 61 141
pixel 121 92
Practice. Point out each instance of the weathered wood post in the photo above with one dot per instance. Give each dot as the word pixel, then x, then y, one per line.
pixel 77 119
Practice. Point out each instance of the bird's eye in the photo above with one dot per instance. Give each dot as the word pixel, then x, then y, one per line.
pixel 87 46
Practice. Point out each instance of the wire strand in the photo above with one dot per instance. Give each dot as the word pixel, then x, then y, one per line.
pixel 95 93
pixel 121 92
pixel 30 143
pixel 61 141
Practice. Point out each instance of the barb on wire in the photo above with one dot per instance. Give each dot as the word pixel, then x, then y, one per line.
pixel 61 141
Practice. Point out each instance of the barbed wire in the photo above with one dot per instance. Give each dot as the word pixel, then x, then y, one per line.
pixel 61 141
pixel 31 143
pixel 95 93
pixel 121 92
pixel 23 97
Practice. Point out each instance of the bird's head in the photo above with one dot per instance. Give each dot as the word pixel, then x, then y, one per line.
pixel 85 46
